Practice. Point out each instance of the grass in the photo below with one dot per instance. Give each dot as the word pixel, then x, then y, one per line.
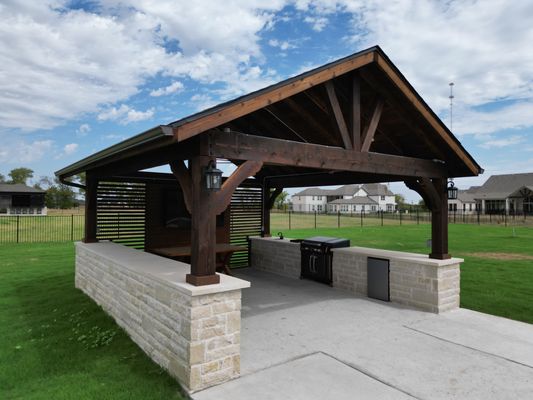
pixel 55 343
pixel 496 277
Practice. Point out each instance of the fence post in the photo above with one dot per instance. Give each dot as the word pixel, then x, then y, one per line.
pixel 315 219
pixel 289 220
pixel 18 221
pixel 338 219
pixel 361 217
pixel 381 212
pixel 400 214
pixel 478 217
pixel 71 227
pixel 417 217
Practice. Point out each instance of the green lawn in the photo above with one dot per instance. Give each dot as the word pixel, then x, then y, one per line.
pixel 496 277
pixel 55 343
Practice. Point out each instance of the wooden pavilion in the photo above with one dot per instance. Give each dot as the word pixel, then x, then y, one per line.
pixel 355 120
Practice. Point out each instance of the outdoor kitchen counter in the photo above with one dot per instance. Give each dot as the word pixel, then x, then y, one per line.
pixel 164 270
pixel 415 280
pixel 191 331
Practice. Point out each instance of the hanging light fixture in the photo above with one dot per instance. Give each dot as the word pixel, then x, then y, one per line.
pixel 451 190
pixel 213 177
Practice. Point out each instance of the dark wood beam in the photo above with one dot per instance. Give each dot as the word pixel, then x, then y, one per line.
pixel 183 176
pixel 356 112
pixel 371 130
pixel 328 179
pixel 91 185
pixel 238 146
pixel 337 112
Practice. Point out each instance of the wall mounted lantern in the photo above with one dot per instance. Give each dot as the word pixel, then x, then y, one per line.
pixel 452 191
pixel 213 177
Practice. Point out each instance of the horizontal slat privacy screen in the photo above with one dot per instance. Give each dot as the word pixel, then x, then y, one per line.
pixel 246 219
pixel 121 213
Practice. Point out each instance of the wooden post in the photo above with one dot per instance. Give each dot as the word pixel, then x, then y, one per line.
pixel 439 222
pixel 91 186
pixel 266 211
pixel 203 230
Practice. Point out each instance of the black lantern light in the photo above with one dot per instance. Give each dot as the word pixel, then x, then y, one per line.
pixel 452 191
pixel 213 177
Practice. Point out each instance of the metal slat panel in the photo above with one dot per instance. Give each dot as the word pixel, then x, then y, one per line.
pixel 121 212
pixel 246 219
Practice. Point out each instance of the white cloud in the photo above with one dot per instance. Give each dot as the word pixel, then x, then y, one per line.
pixel 70 62
pixel 282 44
pixel 70 148
pixel 83 130
pixel 503 142
pixel 26 152
pixel 317 23
pixel 174 87
pixel 124 114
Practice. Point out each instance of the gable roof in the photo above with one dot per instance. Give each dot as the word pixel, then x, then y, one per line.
pixel 503 186
pixel 372 189
pixel 297 109
pixel 18 188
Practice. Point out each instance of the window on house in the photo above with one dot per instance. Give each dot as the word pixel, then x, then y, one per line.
pixel 313 208
pixel 373 208
pixel 363 207
pixel 470 206
pixel 313 197
pixel 319 207
pixel 383 198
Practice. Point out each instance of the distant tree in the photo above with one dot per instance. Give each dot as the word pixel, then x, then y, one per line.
pixel 59 195
pixel 400 202
pixel 44 183
pixel 20 175
pixel 281 200
pixel 2 178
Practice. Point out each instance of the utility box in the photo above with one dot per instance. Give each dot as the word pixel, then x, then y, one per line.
pixel 378 281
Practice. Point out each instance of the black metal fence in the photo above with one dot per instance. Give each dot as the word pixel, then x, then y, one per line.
pixel 43 228
pixel 284 219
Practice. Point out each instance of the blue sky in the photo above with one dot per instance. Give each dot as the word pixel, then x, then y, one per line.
pixel 78 76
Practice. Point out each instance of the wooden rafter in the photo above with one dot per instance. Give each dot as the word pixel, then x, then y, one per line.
pixel 371 130
pixel 238 109
pixel 356 112
pixel 337 112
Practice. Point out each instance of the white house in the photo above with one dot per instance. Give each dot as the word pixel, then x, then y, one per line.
pixel 346 199
pixel 465 202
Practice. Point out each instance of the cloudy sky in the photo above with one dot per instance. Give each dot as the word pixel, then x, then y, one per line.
pixel 79 76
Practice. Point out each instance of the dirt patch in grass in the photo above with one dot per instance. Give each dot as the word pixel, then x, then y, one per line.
pixel 501 256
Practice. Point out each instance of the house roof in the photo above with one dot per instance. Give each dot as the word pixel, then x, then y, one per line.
pixel 377 189
pixel 298 109
pixel 466 196
pixel 354 200
pixel 374 189
pixel 18 188
pixel 499 187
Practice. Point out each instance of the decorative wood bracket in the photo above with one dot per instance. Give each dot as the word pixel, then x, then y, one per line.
pixel 341 122
pixel 426 189
pixel 371 130
pixel 272 198
pixel 183 175
pixel 223 197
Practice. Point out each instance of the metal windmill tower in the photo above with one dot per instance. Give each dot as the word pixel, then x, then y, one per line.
pixel 451 106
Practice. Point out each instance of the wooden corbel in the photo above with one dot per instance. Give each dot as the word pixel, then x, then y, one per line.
pixel 183 175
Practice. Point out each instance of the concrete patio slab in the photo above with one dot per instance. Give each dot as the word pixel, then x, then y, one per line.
pixel 316 376
pixel 419 354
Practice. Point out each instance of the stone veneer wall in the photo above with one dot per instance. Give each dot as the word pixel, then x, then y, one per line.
pixel 196 338
pixel 415 280
pixel 280 257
